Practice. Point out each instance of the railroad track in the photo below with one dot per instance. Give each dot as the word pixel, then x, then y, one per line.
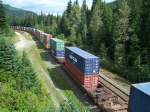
pixel 108 83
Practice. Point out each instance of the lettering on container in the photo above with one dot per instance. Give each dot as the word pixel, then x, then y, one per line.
pixel 73 58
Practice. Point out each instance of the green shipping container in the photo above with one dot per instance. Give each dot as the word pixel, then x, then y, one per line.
pixel 57 44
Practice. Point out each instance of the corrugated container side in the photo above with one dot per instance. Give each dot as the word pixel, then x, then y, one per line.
pixel 58 53
pixel 89 82
pixel 87 66
pixel 34 33
pixel 57 44
pixel 139 100
pixel 37 34
pixel 47 41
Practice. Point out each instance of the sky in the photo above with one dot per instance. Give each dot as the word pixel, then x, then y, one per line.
pixel 46 6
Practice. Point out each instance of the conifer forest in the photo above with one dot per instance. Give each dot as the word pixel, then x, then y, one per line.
pixel 117 32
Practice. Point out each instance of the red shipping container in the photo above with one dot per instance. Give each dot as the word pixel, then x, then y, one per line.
pixel 89 82
pixel 47 42
pixel 37 34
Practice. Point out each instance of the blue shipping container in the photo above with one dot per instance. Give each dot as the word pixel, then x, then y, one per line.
pixel 140 98
pixel 58 53
pixel 87 63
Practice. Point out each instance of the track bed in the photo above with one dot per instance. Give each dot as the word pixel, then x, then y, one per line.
pixel 106 99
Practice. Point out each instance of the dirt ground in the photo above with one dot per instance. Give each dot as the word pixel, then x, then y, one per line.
pixel 121 82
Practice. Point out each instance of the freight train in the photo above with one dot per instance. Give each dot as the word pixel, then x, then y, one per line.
pixel 84 69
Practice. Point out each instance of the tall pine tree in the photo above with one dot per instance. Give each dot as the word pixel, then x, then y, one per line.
pixel 145 33
pixel 108 38
pixel 2 17
pixel 83 29
pixel 75 23
pixel 133 42
pixel 120 31
pixel 95 25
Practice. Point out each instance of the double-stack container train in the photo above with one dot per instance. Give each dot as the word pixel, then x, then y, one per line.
pixel 84 69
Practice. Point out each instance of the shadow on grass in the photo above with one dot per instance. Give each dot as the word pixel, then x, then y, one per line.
pixel 58 79
pixel 46 56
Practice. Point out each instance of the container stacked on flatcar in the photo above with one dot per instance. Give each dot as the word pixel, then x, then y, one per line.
pixel 45 39
pixel 24 28
pixel 84 67
pixel 37 33
pixel 17 27
pixel 57 48
pixel 140 98
pixel 29 29
pixel 32 31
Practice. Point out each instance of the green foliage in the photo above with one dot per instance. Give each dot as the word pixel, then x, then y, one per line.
pixel 70 105
pixel 20 90
pixel 108 37
pixel 144 35
pixel 70 23
pixel 61 36
pixel 3 24
pixel 120 32
pixel 84 17
pixel 96 25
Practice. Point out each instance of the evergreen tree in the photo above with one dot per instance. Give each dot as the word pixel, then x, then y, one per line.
pixel 2 17
pixel 70 22
pixel 69 8
pixel 84 29
pixel 64 24
pixel 133 42
pixel 76 21
pixel 108 38
pixel 120 32
pixel 96 25
pixel 7 55
pixel 93 4
pixel 145 32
